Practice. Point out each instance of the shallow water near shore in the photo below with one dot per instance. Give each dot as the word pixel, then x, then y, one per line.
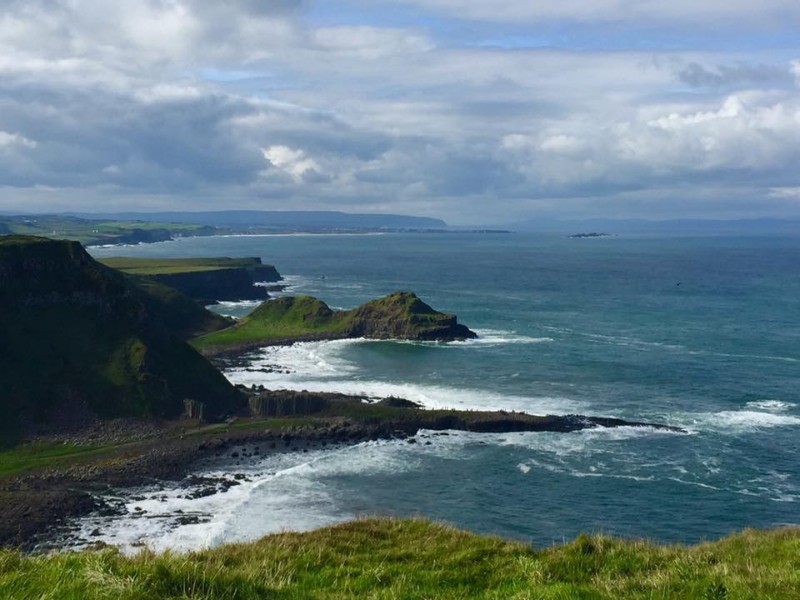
pixel 701 333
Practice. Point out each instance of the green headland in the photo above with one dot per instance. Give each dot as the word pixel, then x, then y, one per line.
pixel 206 280
pixel 401 315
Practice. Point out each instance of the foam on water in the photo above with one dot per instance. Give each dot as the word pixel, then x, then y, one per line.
pixel 497 337
pixel 771 405
pixel 279 492
pixel 735 422
pixel 429 396
pixel 321 367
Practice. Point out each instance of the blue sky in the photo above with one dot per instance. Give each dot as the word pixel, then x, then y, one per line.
pixel 470 111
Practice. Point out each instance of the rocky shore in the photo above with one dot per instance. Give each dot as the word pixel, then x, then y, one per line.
pixel 35 503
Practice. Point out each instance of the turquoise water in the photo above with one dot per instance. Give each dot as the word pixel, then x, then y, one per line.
pixel 702 333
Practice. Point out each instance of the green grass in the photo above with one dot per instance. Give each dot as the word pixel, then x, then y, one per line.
pixel 285 318
pixel 88 230
pixel 31 456
pixel 380 558
pixel 171 266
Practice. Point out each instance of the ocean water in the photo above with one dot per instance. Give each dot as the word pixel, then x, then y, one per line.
pixel 701 333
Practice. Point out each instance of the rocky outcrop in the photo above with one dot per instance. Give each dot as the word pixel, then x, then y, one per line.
pixel 402 315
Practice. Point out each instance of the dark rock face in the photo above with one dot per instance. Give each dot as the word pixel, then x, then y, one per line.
pixel 287 403
pixel 223 284
pixel 79 338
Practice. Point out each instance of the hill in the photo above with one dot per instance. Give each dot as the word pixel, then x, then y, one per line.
pixel 80 340
pixel 401 315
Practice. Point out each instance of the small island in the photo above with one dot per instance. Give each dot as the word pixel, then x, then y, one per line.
pixel 592 234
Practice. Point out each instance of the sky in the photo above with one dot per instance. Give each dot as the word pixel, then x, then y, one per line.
pixel 472 111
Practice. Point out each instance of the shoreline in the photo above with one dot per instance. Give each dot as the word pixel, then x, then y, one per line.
pixel 38 502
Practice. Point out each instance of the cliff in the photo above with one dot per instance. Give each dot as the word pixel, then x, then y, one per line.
pixel 207 280
pixel 401 315
pixel 80 340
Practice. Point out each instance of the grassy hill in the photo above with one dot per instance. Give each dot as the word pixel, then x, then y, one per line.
pixel 80 340
pixel 400 315
pixel 382 558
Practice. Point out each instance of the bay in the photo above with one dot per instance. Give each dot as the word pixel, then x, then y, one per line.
pixel 701 333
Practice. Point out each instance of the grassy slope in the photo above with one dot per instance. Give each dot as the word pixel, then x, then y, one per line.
pixel 170 266
pixel 416 559
pixel 281 319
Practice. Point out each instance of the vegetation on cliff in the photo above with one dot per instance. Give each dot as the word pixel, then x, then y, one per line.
pixel 81 340
pixel 401 315
pixel 385 558
pixel 206 280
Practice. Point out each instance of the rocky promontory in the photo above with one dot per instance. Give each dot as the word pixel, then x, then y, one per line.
pixel 400 315
pixel 206 280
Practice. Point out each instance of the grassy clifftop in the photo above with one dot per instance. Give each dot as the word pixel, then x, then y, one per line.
pixel 417 559
pixel 79 340
pixel 401 315
pixel 205 279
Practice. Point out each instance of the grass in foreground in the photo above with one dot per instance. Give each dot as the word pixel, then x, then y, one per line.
pixel 417 559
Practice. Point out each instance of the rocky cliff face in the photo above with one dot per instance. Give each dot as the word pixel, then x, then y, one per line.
pixel 79 340
pixel 205 280
pixel 223 284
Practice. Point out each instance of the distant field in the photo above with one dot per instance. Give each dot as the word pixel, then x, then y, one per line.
pixel 96 232
pixel 171 266
pixel 387 558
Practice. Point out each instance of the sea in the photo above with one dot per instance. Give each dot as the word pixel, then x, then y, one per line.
pixel 702 333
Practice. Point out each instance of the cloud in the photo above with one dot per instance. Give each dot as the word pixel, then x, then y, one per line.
pixel 697 75
pixel 294 162
pixel 772 13
pixel 192 104
pixel 13 139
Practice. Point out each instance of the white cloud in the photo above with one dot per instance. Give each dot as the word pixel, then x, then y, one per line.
pixel 13 139
pixel 369 43
pixel 254 103
pixel 294 162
